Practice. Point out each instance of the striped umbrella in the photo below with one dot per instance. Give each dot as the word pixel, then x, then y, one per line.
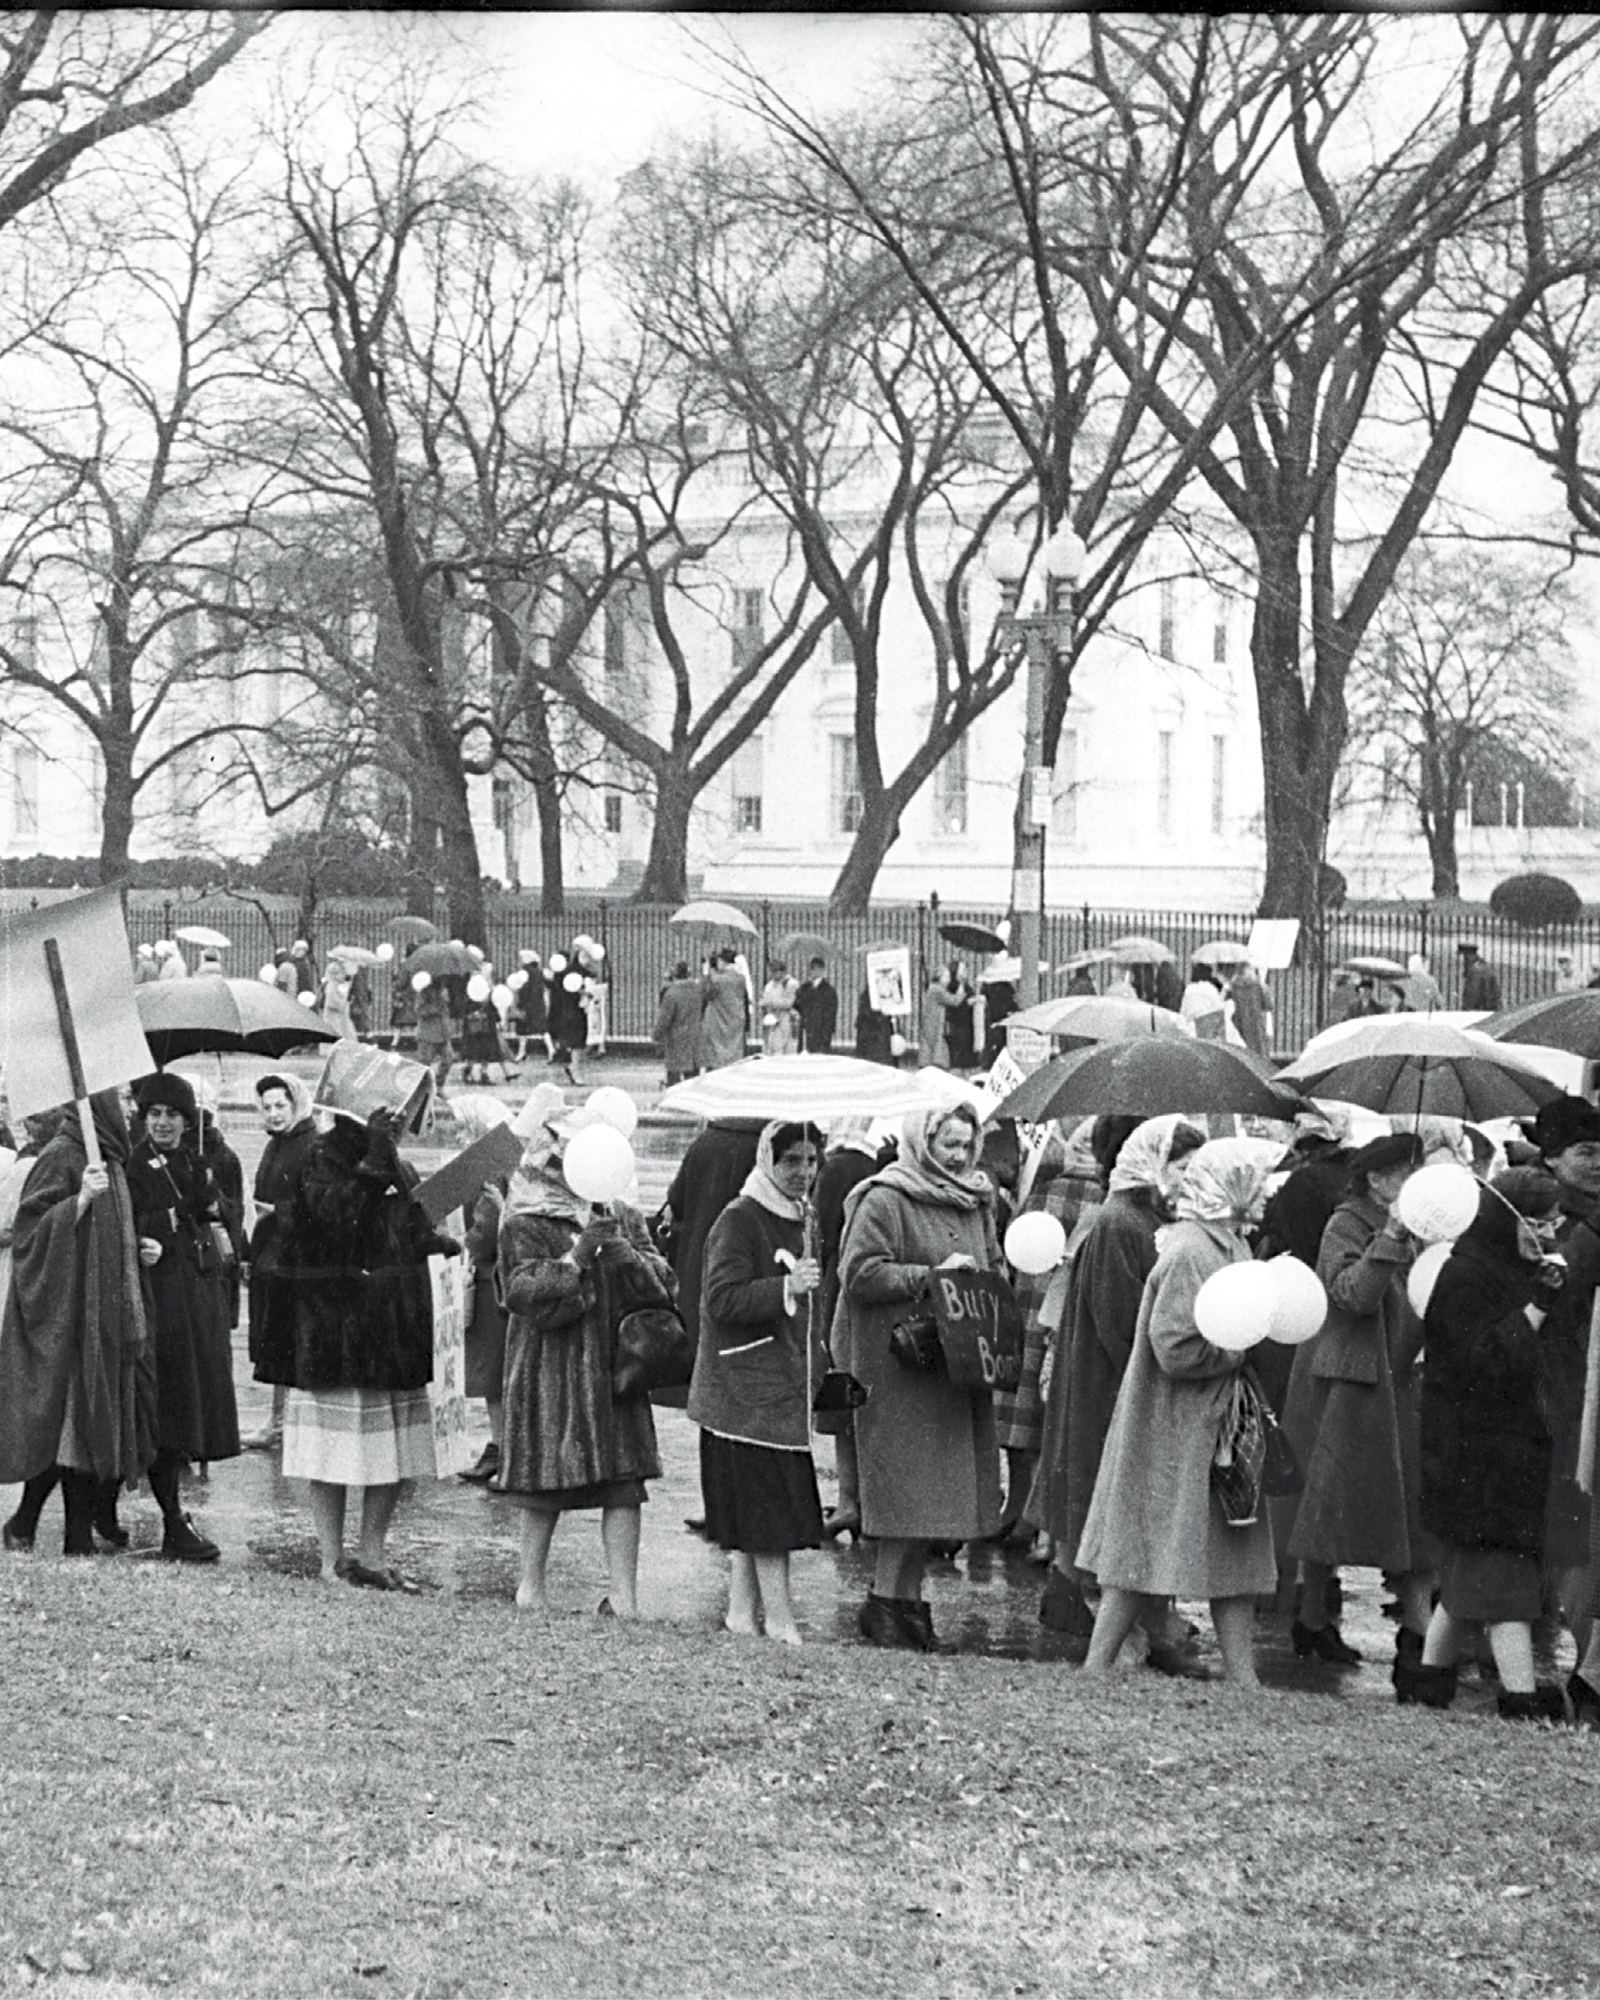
pixel 799 1087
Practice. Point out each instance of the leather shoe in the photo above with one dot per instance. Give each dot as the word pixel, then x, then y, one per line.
pixel 1585 1702
pixel 1325 1642
pixel 182 1542
pixel 880 1623
pixel 1176 1663
pixel 487 1466
pixel 16 1538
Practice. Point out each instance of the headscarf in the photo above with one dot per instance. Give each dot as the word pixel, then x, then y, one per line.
pixel 298 1092
pixel 759 1185
pixel 919 1177
pixel 1225 1180
pixel 1145 1155
pixel 1439 1135
pixel 477 1113
pixel 851 1135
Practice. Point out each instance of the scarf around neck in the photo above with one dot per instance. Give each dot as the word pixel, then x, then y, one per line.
pixel 760 1187
pixel 919 1177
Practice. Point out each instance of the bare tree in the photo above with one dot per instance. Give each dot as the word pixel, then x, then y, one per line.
pixel 1468 658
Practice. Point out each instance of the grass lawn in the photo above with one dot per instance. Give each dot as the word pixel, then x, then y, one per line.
pixel 251 1785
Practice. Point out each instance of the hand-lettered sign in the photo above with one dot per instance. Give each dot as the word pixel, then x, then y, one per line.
pixel 980 1328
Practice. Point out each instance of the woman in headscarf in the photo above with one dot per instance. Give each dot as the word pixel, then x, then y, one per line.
pixel 569 1272
pixel 178 1211
pixel 1486 1444
pixel 77 1385
pixel 477 1113
pixel 1342 1416
pixel 1155 1529
pixel 929 1463
pixel 757 1359
pixel 1104 1291
pixel 286 1117
pixel 351 1337
pixel 851 1159
pixel 227 1177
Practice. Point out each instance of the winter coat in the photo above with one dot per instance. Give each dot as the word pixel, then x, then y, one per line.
pixel 277 1174
pixel 356 1306
pixel 1480 988
pixel 1104 1295
pixel 565 1430
pixel 722 1023
pixel 677 1029
pixel 930 1465
pixel 1343 1414
pixel 1563 1367
pixel 486 1317
pixel 817 1008
pixel 1153 1524
pixel 1019 1415
pixel 780 1037
pixel 175 1202
pixel 752 1370
pixel 937 1001
pixel 709 1176
pixel 873 1031
pixel 1486 1451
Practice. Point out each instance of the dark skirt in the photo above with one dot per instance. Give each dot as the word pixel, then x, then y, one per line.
pixel 1488 1586
pixel 485 1341
pixel 580 1499
pixel 759 1500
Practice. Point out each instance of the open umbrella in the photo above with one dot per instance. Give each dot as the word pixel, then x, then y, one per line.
pixel 1376 968
pixel 1220 951
pixel 1420 1065
pixel 355 954
pixel 440 961
pixel 972 937
pixel 881 944
pixel 185 1017
pixel 1082 1018
pixel 1080 961
pixel 1139 951
pixel 797 946
pixel 1147 1076
pixel 819 1087
pixel 714 916
pixel 1568 1021
pixel 203 934
pixel 413 930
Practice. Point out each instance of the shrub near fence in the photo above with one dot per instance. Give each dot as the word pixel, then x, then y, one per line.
pixel 642 946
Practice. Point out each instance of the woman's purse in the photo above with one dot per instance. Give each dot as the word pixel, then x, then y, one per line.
pixel 914 1342
pixel 653 1351
pixel 838 1392
pixel 1253 1459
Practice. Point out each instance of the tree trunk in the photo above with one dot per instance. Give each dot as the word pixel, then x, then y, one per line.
pixel 116 813
pixel 666 874
pixel 1441 836
pixel 877 833
pixel 458 842
pixel 547 802
pixel 1301 741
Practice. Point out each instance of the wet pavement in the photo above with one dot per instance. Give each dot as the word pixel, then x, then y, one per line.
pixel 459 1540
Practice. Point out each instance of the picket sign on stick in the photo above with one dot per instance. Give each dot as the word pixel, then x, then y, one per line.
pixel 69 1044
pixel 1589 1433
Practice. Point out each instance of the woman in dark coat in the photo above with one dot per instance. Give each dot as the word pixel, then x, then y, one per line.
pixel 677 1028
pixel 352 1338
pixel 477 1114
pixel 758 1355
pixel 873 1031
pixel 531 1013
pixel 930 1465
pixel 959 1041
pixel 1343 1417
pixel 851 1159
pixel 569 1273
pixel 568 1023
pixel 286 1114
pixel 1105 1287
pixel 77 1382
pixel 176 1206
pixel 1486 1441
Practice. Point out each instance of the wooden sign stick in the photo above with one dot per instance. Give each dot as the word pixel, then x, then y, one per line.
pixel 69 1042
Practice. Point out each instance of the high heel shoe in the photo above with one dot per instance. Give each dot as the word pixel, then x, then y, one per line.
pixel 1324 1641
pixel 842 1521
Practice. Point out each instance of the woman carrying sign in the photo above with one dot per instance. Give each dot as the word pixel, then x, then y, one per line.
pixel 930 1465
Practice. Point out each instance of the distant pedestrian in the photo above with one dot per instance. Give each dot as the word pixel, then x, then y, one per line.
pixel 1480 986
pixel 1568 978
pixel 169 961
pixel 677 1028
pixel 1202 1004
pixel 1252 1009
pixel 1419 990
pixel 816 1007
pixel 725 1011
pixel 779 1024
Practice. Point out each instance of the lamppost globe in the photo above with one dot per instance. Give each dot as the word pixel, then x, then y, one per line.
pixel 1006 557
pixel 1064 554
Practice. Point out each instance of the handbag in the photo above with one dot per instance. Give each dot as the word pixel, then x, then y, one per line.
pixel 654 1351
pixel 838 1392
pixel 222 1243
pixel 1252 1459
pixel 914 1342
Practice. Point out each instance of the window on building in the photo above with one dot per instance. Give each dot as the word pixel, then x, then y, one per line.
pixel 950 790
pixel 1064 800
pixel 1219 783
pixel 1219 634
pixel 842 652
pixel 846 787
pixel 24 762
pixel 612 806
pixel 748 765
pixel 1167 637
pixel 749 626
pixel 1164 784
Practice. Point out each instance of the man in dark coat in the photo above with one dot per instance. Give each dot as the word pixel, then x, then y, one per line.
pixel 1480 985
pixel 290 1128
pixel 817 1006
pixel 677 1029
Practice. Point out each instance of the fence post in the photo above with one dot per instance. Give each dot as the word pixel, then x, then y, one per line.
pixel 1087 922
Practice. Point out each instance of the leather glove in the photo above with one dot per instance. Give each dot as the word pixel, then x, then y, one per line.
pixel 1549 1281
pixel 598 1243
pixel 383 1152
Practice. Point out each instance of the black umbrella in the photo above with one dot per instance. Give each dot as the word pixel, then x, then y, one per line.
pixel 1568 1021
pixel 187 1017
pixel 441 961
pixel 796 946
pixel 972 937
pixel 414 930
pixel 1148 1077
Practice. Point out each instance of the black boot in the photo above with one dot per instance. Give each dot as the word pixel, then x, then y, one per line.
pixel 1433 1687
pixel 1407 1659
pixel 1325 1641
pixel 1585 1702
pixel 1062 1609
pixel 24 1523
pixel 880 1623
pixel 106 1525
pixel 916 1615
pixel 77 1494
pixel 1545 1704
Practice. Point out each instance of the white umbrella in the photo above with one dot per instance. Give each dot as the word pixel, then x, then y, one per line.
pixel 714 916
pixel 798 1087
pixel 202 934
pixel 355 954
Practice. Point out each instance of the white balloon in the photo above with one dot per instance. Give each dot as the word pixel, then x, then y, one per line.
pixel 1234 1307
pixel 1438 1202
pixel 573 982
pixel 502 996
pixel 421 981
pixel 268 975
pixel 1300 1304
pixel 1425 1275
pixel 1036 1243
pixel 598 1163
pixel 558 961
pixel 616 1107
pixel 306 999
pixel 897 1045
pixel 478 988
pixel 385 952
pixel 596 951
pixel 583 942
pixel 517 981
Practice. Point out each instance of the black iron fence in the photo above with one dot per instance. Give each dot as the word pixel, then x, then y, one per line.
pixel 642 945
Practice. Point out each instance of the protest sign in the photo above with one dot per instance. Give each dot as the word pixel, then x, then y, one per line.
pixel 457 1182
pixel 889 979
pixel 68 1023
pixel 452 1282
pixel 358 1079
pixel 980 1328
pixel 1272 941
pixel 1028 1048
